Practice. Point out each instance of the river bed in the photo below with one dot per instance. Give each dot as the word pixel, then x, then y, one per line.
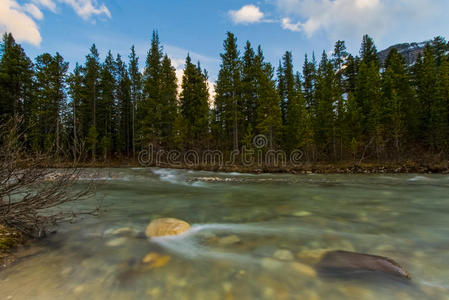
pixel 252 237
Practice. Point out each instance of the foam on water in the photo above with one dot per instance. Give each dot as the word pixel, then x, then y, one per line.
pixel 175 177
pixel 419 178
pixel 188 244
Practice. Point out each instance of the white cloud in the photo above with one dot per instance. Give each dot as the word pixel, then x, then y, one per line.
pixel 14 19
pixel 246 15
pixel 350 19
pixel 287 24
pixel 20 20
pixel 87 8
pixel 34 11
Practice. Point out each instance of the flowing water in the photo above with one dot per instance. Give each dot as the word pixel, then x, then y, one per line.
pixel 252 237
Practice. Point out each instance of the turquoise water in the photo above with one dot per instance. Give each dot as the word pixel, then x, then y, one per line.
pixel 252 237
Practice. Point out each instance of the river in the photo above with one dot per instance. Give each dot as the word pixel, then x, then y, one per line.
pixel 252 237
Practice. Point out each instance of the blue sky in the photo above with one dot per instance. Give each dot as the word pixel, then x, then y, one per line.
pixel 199 26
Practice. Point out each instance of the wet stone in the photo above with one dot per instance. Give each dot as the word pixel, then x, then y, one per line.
pixel 283 255
pixel 304 269
pixel 271 264
pixel 229 240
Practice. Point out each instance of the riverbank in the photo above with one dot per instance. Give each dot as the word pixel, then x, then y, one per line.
pixel 349 167
pixel 10 239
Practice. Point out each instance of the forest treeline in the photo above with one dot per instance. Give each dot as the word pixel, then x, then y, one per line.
pixel 339 107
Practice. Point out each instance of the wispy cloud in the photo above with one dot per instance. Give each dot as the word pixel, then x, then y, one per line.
pixel 351 18
pixel 88 8
pixel 287 24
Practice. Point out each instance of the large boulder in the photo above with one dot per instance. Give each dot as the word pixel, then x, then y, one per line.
pixel 344 262
pixel 166 227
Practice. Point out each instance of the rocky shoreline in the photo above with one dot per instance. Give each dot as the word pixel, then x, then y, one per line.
pixel 406 167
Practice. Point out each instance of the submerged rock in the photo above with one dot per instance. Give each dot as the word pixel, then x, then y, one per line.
pixel 302 214
pixel 155 260
pixel 166 227
pixel 303 269
pixel 271 264
pixel 283 255
pixel 348 262
pixel 229 240
pixel 116 242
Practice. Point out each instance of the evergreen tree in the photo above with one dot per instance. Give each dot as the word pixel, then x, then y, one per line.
pixel 440 109
pixel 91 83
pixel 400 106
pixel 16 81
pixel 106 107
pixel 325 98
pixel 76 92
pixel 425 76
pixel 286 84
pixel 228 99
pixel 167 105
pixel 339 60
pixel 249 87
pixel 51 75
pixel 269 115
pixel 136 92
pixel 124 108
pixel 309 74
pixel 368 96
pixel 148 109
pixel 194 104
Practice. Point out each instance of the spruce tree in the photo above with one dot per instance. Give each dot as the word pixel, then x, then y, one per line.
pixel 167 106
pixel 269 115
pixel 249 87
pixel 49 101
pixel 228 99
pixel 124 111
pixel 16 81
pixel 91 93
pixel 325 98
pixel 106 106
pixel 194 104
pixel 400 105
pixel 136 92
pixel 76 92
pixel 148 109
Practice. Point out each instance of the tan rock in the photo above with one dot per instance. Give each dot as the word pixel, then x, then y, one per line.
pixel 304 269
pixel 155 260
pixel 166 227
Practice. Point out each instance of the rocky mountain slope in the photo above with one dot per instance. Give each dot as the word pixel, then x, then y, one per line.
pixel 409 51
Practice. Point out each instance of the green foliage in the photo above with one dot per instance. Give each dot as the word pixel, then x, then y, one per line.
pixel 92 141
pixel 228 101
pixel 194 104
pixel 339 107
